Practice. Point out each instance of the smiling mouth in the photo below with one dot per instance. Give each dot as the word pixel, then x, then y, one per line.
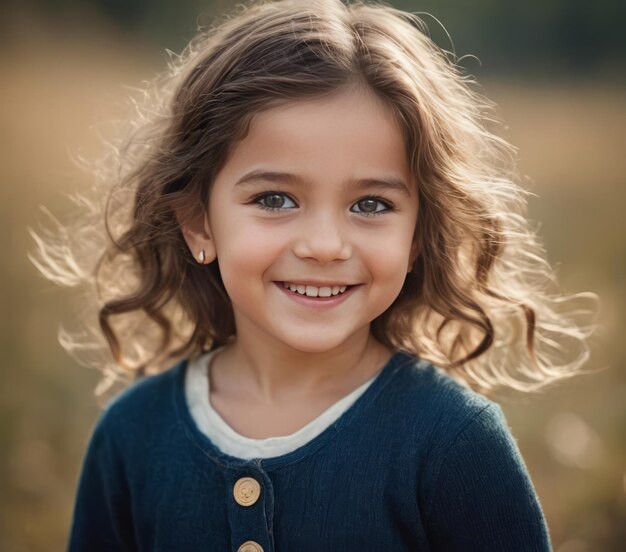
pixel 315 291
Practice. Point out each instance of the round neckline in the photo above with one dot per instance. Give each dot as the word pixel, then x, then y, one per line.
pixel 202 366
pixel 364 401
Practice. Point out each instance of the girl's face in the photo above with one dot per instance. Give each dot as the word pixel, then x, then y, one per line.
pixel 319 196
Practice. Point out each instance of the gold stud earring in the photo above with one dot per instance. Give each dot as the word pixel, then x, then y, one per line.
pixel 201 256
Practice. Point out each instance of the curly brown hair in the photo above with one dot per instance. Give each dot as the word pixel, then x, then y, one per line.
pixel 479 301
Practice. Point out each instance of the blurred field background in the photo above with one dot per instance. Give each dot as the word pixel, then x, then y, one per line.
pixel 555 69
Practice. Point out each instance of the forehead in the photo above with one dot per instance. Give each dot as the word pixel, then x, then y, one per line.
pixel 351 133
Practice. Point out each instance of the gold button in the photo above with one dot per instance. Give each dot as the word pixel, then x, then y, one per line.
pixel 247 491
pixel 250 546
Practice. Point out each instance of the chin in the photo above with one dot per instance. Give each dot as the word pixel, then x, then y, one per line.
pixel 306 344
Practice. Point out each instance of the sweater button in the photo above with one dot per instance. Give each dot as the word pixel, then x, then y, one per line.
pixel 250 546
pixel 246 493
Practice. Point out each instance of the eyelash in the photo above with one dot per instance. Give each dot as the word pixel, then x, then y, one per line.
pixel 389 206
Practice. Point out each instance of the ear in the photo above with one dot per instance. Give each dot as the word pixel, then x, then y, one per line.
pixel 198 236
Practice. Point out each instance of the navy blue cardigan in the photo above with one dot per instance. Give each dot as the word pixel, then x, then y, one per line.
pixel 418 462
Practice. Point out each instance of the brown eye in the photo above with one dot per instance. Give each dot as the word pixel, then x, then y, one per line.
pixel 367 205
pixel 370 206
pixel 274 201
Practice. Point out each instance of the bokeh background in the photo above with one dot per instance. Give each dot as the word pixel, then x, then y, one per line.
pixel 556 70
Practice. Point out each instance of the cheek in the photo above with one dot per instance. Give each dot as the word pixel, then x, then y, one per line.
pixel 246 249
pixel 387 266
pixel 388 254
pixel 390 274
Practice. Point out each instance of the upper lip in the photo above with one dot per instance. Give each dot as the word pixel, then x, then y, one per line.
pixel 316 283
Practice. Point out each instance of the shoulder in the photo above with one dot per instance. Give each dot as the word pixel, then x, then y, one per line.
pixel 437 416
pixel 472 476
pixel 428 393
pixel 466 448
pixel 145 405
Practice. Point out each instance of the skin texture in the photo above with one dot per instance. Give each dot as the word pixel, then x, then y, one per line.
pixel 285 352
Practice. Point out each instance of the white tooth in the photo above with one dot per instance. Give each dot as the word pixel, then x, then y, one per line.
pixel 325 292
pixel 293 287
pixel 335 290
pixel 312 291
pixel 286 284
pixel 302 289
pixel 342 289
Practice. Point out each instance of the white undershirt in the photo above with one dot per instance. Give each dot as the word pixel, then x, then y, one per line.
pixel 235 444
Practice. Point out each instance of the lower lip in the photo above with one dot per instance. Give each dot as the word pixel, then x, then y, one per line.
pixel 317 302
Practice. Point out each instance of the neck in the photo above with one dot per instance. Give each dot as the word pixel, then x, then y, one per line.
pixel 277 374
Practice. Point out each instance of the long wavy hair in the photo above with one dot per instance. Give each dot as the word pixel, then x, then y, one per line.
pixel 481 301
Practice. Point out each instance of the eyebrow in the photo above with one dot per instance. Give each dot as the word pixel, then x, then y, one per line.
pixel 385 183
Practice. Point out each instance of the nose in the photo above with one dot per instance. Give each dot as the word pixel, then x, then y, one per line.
pixel 324 238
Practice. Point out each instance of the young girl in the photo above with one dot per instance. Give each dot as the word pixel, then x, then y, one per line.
pixel 318 269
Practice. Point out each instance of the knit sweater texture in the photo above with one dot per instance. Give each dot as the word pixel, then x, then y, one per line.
pixel 417 463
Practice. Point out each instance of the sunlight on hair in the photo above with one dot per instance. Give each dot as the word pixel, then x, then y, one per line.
pixel 481 302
